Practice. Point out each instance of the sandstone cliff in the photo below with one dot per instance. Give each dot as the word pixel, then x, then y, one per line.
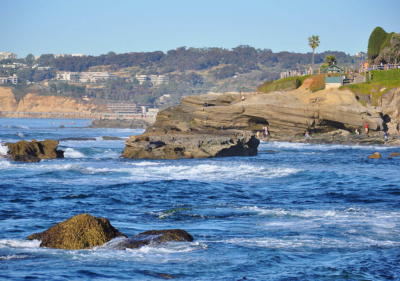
pixel 287 113
pixel 36 103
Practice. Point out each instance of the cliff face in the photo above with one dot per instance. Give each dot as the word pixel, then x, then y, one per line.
pixel 36 103
pixel 285 113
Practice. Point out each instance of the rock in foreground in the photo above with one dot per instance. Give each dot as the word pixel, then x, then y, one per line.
pixel 191 145
pixel 154 237
pixel 34 151
pixel 79 232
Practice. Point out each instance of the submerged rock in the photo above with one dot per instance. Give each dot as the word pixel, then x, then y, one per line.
pixel 376 155
pixel 77 139
pixel 29 151
pixel 396 154
pixel 154 237
pixel 191 145
pixel 79 232
pixel 106 138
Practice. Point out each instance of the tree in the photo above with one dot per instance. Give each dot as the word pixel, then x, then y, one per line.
pixel 330 59
pixel 313 42
pixel 30 58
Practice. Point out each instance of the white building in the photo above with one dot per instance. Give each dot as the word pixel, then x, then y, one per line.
pixel 68 76
pixel 56 56
pixel 93 77
pixel 7 55
pixel 11 79
pixel 85 77
pixel 78 55
pixel 155 79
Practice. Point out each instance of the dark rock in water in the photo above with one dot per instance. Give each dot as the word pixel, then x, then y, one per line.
pixel 79 232
pixel 61 127
pixel 46 149
pixel 121 123
pixel 106 138
pixel 396 154
pixel 157 237
pixel 161 275
pixel 191 145
pixel 25 158
pixel 77 139
pixel 376 155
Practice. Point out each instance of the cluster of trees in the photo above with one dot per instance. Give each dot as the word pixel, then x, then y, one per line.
pixel 34 75
pixel 383 47
pixel 241 59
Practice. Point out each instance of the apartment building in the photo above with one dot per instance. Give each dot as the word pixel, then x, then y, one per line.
pixel 85 77
pixel 155 79
pixel 11 79
pixel 93 77
pixel 7 55
pixel 68 76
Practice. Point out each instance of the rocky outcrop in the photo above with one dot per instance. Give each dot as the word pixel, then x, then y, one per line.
pixel 85 231
pixel 34 151
pixel 79 232
pixel 155 237
pixel 285 113
pixel 175 145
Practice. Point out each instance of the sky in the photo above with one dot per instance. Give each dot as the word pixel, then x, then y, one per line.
pixel 95 27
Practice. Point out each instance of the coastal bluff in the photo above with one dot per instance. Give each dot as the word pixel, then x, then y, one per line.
pixel 285 113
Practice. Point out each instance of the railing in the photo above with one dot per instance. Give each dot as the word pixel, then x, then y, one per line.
pixel 380 67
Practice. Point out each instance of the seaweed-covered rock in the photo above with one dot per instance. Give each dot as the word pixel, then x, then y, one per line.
pixel 27 151
pixel 157 237
pixel 79 232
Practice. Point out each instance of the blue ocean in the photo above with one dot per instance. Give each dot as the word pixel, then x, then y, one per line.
pixel 294 212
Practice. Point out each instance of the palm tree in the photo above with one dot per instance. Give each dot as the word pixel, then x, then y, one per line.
pixel 313 42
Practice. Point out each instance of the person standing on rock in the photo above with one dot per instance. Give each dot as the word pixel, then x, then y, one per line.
pixel 307 134
pixel 385 137
pixel 366 128
pixel 398 128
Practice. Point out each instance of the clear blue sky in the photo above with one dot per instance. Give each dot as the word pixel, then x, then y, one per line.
pixel 96 27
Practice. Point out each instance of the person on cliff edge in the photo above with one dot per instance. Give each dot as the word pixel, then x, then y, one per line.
pixel 366 128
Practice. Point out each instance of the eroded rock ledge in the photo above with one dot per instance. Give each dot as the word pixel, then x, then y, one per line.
pixel 176 145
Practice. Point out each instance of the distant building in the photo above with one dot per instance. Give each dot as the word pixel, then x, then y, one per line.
pixel 361 55
pixel 11 79
pixel 68 76
pixel 85 77
pixel 56 56
pixel 78 55
pixel 37 57
pixel 9 66
pixel 45 68
pixel 155 79
pixel 93 77
pixel 7 55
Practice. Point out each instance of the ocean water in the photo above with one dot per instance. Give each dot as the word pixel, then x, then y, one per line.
pixel 294 212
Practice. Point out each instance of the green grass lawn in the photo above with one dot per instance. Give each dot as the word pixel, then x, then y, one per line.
pixel 382 81
pixel 288 83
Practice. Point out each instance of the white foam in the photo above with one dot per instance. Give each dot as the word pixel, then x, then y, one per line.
pixel 19 243
pixel 3 150
pixel 13 257
pixel 21 135
pixel 72 153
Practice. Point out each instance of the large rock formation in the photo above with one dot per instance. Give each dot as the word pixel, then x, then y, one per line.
pixel 34 151
pixel 79 232
pixel 285 113
pixel 175 145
